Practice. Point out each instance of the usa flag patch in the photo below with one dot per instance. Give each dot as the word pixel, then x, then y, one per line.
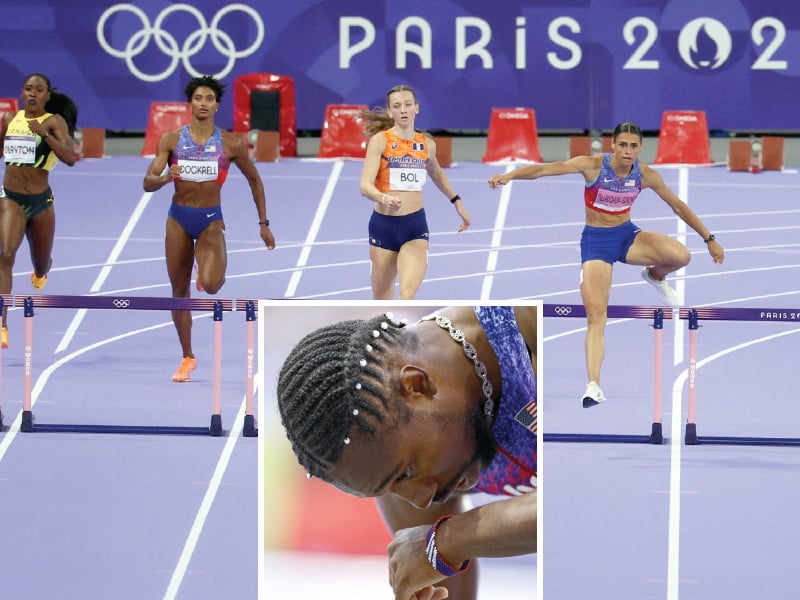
pixel 527 416
pixel 418 146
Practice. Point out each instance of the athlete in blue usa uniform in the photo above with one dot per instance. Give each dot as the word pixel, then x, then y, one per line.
pixel 196 158
pixel 513 470
pixel 613 183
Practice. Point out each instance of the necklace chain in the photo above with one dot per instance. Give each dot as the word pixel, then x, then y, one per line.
pixel 472 354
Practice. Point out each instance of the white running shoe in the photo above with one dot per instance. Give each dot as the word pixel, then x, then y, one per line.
pixel 593 395
pixel 667 294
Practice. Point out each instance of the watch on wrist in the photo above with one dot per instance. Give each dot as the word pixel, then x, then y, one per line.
pixel 711 237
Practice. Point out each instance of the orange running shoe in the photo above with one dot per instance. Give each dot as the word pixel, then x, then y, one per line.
pixel 187 366
pixel 38 282
pixel 4 335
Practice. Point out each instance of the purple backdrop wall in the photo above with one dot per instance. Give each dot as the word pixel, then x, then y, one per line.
pixel 580 64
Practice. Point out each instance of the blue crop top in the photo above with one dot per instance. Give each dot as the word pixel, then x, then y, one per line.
pixel 611 194
pixel 204 162
pixel 513 470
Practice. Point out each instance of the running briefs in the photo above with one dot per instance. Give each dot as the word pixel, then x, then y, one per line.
pixel 609 244
pixel 390 233
pixel 31 204
pixel 194 220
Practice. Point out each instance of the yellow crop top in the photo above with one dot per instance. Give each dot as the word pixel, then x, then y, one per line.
pixel 23 148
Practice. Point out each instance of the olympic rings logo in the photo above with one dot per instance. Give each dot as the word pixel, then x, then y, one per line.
pixel 121 303
pixel 563 311
pixel 167 43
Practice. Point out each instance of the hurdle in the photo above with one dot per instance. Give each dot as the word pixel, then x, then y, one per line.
pixel 693 317
pixel 658 315
pixel 124 303
pixel 4 298
pixel 249 307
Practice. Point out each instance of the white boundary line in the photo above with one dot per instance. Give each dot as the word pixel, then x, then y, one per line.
pixel 673 556
pixel 313 230
pixel 497 235
pixel 676 440
pixel 104 272
pixel 234 434
pixel 216 479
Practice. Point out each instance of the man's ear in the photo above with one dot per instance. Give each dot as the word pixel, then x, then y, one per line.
pixel 415 380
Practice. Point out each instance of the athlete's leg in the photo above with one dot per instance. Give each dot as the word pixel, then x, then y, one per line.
pixel 212 257
pixel 412 262
pixel 659 252
pixel 383 272
pixel 41 231
pixel 595 291
pixel 179 250
pixel 12 230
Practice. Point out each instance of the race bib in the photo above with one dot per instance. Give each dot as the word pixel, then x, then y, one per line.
pixel 20 149
pixel 198 170
pixel 407 179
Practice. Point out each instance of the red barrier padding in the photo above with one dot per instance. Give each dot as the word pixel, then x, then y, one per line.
pixel 739 155
pixel 326 519
pixel 342 132
pixel 444 150
pixel 513 135
pixel 243 88
pixel 8 105
pixel 164 116
pixel 683 138
pixel 771 153
pixel 93 142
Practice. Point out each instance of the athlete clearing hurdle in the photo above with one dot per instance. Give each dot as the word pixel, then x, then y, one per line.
pixel 613 182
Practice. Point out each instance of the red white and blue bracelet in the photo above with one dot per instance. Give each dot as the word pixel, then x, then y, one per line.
pixel 434 558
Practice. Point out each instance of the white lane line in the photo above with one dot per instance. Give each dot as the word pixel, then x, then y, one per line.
pixel 106 269
pixel 673 552
pixel 680 283
pixel 313 230
pixel 216 479
pixel 234 434
pixel 497 235
pixel 42 380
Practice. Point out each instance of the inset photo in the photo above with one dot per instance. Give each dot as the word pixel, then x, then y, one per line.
pixel 398 449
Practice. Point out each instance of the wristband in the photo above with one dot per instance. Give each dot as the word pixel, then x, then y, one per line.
pixel 710 238
pixel 264 222
pixel 455 198
pixel 435 559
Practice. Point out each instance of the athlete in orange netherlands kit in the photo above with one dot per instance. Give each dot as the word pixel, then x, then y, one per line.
pixel 398 162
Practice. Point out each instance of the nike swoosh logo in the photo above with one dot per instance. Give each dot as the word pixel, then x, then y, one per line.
pixel 606 180
pixel 209 215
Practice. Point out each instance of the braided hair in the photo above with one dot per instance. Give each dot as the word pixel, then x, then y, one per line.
pixel 379 119
pixel 336 379
pixel 59 104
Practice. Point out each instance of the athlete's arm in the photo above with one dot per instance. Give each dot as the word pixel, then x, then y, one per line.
pixel 653 180
pixel 400 515
pixel 498 529
pixel 369 172
pixel 579 164
pixel 156 178
pixel 239 155
pixel 56 132
pixel 440 180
